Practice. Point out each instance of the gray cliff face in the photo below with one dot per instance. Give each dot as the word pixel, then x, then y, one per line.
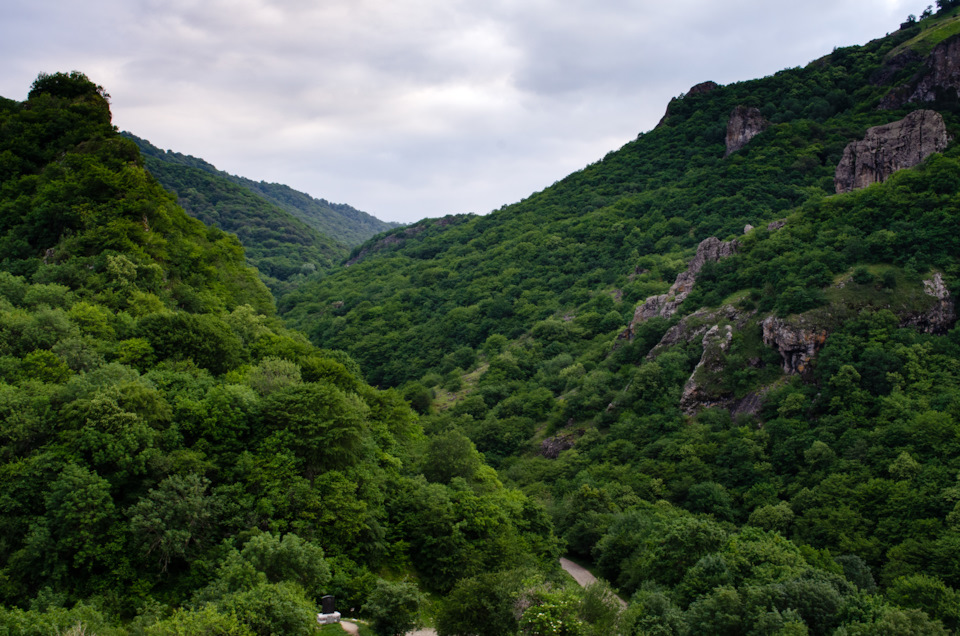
pixel 665 305
pixel 744 124
pixel 716 342
pixel 553 446
pixel 940 81
pixel 697 324
pixel 797 342
pixel 891 147
pixel 716 329
pixel 941 316
pixel 943 78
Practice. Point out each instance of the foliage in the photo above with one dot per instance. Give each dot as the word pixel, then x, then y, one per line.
pixel 170 453
pixel 394 607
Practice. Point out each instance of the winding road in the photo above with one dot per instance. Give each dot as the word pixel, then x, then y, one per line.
pixel 582 576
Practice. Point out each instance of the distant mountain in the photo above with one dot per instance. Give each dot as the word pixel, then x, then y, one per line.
pixel 339 221
pixel 282 247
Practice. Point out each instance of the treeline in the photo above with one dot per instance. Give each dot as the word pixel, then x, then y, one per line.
pixel 338 221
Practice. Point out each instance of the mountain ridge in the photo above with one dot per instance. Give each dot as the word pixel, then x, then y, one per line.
pixel 339 221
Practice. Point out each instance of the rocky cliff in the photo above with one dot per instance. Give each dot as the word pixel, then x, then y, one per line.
pixel 797 340
pixel 665 305
pixel 716 342
pixel 939 80
pixel 744 124
pixel 941 316
pixel 891 147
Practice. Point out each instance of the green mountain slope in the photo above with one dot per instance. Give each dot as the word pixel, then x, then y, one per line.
pixel 172 458
pixel 339 221
pixel 805 386
pixel 282 247
pixel 615 232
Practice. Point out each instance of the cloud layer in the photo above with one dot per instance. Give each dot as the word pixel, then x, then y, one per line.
pixel 414 108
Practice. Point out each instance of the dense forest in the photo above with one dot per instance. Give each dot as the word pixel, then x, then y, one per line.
pixel 287 235
pixel 696 368
pixel 715 484
pixel 173 459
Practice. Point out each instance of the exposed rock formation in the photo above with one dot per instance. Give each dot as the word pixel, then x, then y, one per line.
pixel 941 316
pixel 773 226
pixel 943 78
pixel 744 124
pixel 697 324
pixel 665 305
pixel 553 446
pixel 702 88
pixel 940 79
pixel 716 342
pixel 798 342
pixel 697 89
pixel 891 147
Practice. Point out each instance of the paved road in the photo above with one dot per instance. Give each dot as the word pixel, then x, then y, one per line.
pixel 582 576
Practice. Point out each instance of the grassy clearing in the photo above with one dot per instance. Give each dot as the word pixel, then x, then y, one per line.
pixel 931 34
pixel 444 399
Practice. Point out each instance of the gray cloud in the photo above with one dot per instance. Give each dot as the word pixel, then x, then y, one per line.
pixel 414 108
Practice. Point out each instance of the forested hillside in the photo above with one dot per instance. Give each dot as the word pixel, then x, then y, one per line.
pixel 338 221
pixel 283 248
pixel 720 366
pixel 173 460
pixel 735 390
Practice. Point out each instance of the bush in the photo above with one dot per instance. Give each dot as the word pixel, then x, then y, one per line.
pixel 394 608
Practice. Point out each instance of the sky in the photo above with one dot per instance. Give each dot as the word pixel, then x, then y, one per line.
pixel 414 108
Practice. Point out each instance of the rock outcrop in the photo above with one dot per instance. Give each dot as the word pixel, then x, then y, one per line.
pixel 943 79
pixel 716 342
pixel 697 324
pixel 891 147
pixel 797 341
pixel 939 318
pixel 940 79
pixel 744 124
pixel 553 446
pixel 696 89
pixel 665 305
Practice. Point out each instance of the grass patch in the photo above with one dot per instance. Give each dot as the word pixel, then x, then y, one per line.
pixel 890 288
pixel 932 34
pixel 444 399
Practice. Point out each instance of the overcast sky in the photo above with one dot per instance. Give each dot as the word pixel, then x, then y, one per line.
pixel 414 108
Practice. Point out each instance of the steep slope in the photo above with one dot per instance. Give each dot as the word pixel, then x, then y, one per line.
pixel 282 247
pixel 717 329
pixel 172 458
pixel 339 221
pixel 625 225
